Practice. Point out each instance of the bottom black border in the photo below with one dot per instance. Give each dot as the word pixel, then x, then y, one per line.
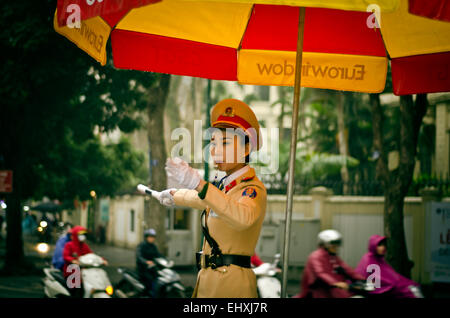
pixel 204 307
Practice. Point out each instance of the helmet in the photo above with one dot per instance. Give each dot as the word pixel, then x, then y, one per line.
pixel 329 237
pixel 149 232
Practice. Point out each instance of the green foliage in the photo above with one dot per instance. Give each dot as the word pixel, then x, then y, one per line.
pixel 320 166
pixel 321 159
pixel 87 166
pixel 219 92
pixel 441 183
pixel 323 128
pixel 54 98
pixel 314 165
pixel 248 99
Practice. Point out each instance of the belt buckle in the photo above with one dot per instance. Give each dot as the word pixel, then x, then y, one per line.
pixel 213 261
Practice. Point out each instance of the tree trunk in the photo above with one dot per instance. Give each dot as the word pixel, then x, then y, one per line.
pixel 172 111
pixel 15 262
pixel 14 243
pixel 198 100
pixel 15 256
pixel 206 125
pixel 343 147
pixel 156 213
pixel 378 147
pixel 397 254
pixel 282 99
pixel 396 183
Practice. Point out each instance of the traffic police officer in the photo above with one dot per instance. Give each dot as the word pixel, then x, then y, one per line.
pixel 233 211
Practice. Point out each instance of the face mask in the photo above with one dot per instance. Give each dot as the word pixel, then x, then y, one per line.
pixel 82 238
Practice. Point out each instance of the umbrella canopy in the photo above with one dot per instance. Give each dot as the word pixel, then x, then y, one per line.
pixel 93 8
pixel 256 43
pixel 433 9
pixel 419 49
pixel 258 49
pixel 46 207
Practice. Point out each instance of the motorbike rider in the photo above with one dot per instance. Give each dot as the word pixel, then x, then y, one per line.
pixel 325 273
pixel 72 251
pixel 47 230
pixel 145 256
pixel 391 283
pixel 29 224
pixel 58 259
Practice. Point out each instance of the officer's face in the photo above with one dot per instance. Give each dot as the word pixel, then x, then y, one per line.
pixel 228 149
pixel 150 239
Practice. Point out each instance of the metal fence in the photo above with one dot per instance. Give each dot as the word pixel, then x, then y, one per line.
pixel 275 185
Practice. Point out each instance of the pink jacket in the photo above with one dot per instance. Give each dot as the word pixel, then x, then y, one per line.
pixel 319 275
pixel 392 284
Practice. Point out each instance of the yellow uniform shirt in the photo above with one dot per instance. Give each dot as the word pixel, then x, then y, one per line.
pixel 234 219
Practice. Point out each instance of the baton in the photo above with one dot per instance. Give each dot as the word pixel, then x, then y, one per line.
pixel 146 190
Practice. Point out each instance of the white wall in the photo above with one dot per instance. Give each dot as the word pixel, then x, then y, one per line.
pixel 120 220
pixel 356 230
pixel 180 247
pixel 84 215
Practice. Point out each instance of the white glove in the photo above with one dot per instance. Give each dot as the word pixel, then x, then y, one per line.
pixel 181 173
pixel 166 198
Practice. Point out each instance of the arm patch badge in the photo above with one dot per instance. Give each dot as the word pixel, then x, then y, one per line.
pixel 249 192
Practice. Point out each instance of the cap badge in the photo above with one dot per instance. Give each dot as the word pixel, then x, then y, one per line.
pixel 229 111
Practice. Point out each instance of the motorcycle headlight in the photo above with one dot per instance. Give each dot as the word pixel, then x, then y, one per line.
pixel 370 287
pixel 109 290
pixel 42 248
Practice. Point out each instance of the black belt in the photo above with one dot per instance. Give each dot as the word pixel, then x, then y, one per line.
pixel 214 261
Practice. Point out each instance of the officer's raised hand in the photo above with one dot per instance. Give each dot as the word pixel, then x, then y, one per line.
pixel 182 174
pixel 166 197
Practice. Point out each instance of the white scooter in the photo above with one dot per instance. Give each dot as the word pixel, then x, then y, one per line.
pixel 168 281
pixel 269 286
pixel 94 280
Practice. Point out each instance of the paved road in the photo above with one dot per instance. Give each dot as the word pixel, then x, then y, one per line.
pixel 25 286
pixel 21 287
pixel 122 257
pixel 30 286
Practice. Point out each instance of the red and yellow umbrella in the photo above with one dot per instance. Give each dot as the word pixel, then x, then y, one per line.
pixel 419 49
pixel 256 43
pixel 433 9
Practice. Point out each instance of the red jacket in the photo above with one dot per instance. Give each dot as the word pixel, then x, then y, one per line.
pixel 74 249
pixel 255 260
pixel 319 275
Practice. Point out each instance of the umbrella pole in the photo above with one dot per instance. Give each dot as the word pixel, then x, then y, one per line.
pixel 293 149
